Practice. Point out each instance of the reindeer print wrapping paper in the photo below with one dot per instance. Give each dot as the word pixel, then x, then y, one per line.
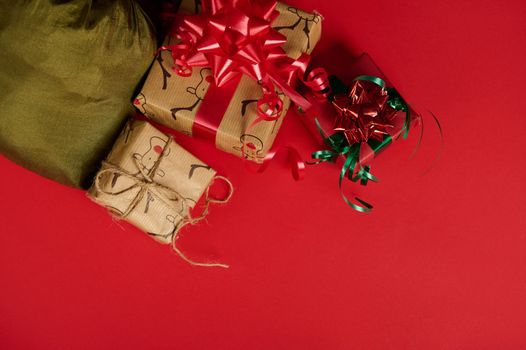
pixel 179 180
pixel 173 101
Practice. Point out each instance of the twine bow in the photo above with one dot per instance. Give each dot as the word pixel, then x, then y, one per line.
pixel 143 180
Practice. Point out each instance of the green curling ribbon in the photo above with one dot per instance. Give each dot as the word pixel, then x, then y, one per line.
pixel 339 146
pixel 378 81
pixel 396 102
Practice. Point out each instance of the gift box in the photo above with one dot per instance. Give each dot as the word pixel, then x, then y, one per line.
pixel 152 182
pixel 190 104
pixel 357 121
pixel 328 115
pixel 364 72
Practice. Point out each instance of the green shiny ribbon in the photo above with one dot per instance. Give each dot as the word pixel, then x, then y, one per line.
pixel 378 81
pixel 396 102
pixel 339 146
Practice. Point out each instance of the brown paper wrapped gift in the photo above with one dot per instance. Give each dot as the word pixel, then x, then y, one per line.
pixel 172 100
pixel 152 182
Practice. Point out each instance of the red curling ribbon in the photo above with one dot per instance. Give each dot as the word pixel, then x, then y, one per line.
pixel 293 159
pixel 318 83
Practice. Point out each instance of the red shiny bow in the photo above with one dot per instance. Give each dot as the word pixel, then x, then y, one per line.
pixel 363 113
pixel 235 37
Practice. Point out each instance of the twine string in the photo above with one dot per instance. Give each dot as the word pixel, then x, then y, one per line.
pixel 192 221
pixel 144 181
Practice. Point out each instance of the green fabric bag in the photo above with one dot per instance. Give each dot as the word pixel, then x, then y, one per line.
pixel 68 70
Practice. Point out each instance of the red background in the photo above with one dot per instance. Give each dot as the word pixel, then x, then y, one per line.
pixel 439 264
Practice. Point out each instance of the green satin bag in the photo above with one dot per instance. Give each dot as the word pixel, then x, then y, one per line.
pixel 68 70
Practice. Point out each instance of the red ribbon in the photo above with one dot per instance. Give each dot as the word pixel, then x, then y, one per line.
pixel 210 113
pixel 235 37
pixel 293 160
pixel 363 113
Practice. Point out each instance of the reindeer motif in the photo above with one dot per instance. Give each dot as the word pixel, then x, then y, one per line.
pixel 306 18
pixel 125 134
pixel 198 91
pixel 166 72
pixel 148 159
pixel 251 147
pixel 194 167
pixel 142 106
pixel 168 236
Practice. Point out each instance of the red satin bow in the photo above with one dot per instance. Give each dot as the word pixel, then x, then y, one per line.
pixel 235 37
pixel 363 113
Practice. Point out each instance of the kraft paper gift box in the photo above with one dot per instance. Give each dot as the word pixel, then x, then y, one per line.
pixel 173 100
pixel 151 181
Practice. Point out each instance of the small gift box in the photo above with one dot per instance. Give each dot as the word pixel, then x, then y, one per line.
pixel 357 122
pixel 369 108
pixel 152 182
pixel 236 97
